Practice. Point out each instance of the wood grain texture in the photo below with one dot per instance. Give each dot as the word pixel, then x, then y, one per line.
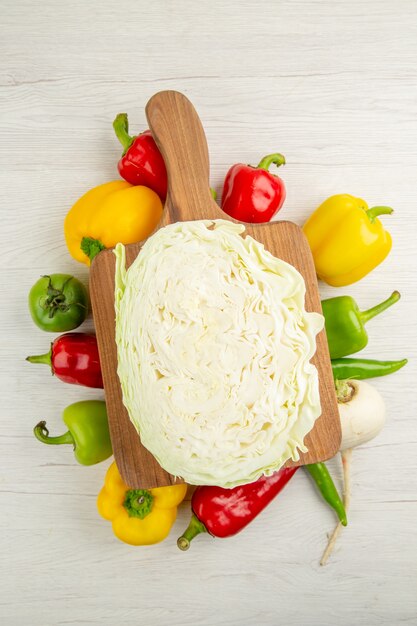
pixel 179 134
pixel 333 86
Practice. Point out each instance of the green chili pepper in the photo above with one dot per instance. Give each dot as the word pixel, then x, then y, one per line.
pixel 345 323
pixel 88 431
pixel 360 369
pixel 321 476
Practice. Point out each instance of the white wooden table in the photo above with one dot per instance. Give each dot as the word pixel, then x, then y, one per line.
pixel 333 86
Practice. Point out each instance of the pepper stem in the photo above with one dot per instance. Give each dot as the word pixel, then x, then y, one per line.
pixel 121 128
pixel 46 359
pixel 376 310
pixel 42 434
pixel 266 162
pixel 195 527
pixel 55 300
pixel 138 502
pixel 378 210
pixel 91 247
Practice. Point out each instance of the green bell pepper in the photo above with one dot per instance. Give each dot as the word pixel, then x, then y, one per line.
pixel 345 323
pixel 88 431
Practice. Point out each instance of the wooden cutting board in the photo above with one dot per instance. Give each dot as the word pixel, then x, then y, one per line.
pixel 179 135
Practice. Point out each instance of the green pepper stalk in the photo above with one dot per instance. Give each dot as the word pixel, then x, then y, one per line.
pixel 321 476
pixel 276 159
pixel 138 502
pixel 88 432
pixel 376 211
pixel 91 247
pixel 345 323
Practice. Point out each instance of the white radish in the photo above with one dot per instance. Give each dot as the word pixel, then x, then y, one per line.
pixel 362 416
pixel 361 410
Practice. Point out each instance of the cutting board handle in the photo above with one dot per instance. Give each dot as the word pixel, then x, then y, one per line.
pixel 180 137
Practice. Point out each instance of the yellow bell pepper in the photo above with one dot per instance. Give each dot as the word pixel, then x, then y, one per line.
pixel 347 239
pixel 115 212
pixel 139 516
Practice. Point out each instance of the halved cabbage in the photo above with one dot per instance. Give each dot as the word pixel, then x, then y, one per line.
pixel 214 345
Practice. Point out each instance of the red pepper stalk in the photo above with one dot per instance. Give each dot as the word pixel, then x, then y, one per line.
pixel 141 162
pixel 74 359
pixel 224 512
pixel 253 194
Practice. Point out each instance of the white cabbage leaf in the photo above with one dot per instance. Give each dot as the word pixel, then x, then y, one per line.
pixel 214 347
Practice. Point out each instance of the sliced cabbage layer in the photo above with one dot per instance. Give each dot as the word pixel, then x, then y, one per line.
pixel 214 345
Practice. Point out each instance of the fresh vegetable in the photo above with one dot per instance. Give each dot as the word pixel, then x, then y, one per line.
pixel 253 194
pixel 74 359
pixel 225 512
pixel 138 516
pixel 321 476
pixel 199 321
pixel 360 369
pixel 345 323
pixel 361 410
pixel 347 239
pixel 346 456
pixel 362 416
pixel 58 302
pixel 141 162
pixel 88 431
pixel 108 214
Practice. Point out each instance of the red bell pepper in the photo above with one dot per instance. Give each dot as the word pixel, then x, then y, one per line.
pixel 73 358
pixel 141 162
pixel 225 512
pixel 253 194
